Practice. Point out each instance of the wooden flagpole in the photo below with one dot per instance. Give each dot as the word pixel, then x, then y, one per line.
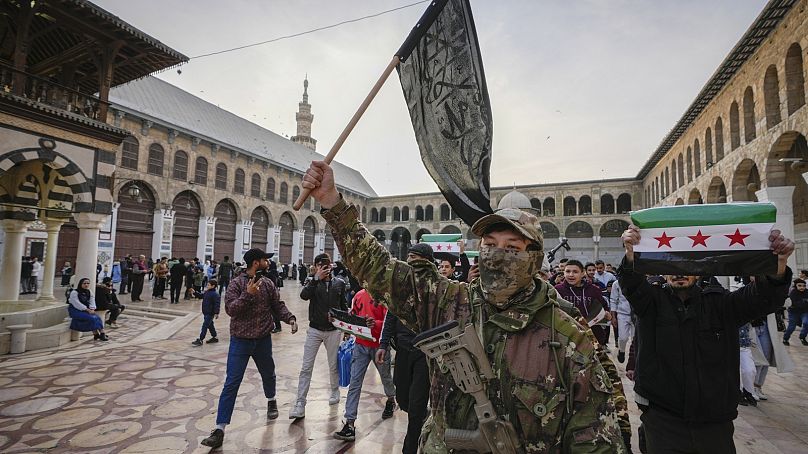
pixel 349 127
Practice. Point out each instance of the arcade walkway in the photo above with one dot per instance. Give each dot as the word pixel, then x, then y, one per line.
pixel 149 391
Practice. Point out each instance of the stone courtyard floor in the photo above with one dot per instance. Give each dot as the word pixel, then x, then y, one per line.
pixel 149 391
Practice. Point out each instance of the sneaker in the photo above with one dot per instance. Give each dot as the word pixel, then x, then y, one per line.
pixel 621 356
pixel 298 411
pixel 196 343
pixel 749 398
pixel 334 398
pixel 785 342
pixel 272 409
pixel 389 407
pixel 212 340
pixel 348 433
pixel 215 439
pixel 804 342
pixel 760 394
pixel 113 325
pixel 103 337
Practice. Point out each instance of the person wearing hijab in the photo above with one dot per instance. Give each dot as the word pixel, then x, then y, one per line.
pixel 81 307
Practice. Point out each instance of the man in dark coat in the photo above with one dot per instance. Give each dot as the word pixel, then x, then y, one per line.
pixel 687 353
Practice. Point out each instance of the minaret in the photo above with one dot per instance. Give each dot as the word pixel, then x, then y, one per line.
pixel 304 119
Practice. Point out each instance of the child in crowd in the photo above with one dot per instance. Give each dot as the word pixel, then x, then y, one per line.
pixel 210 310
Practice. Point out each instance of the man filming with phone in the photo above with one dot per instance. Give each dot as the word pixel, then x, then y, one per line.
pixel 250 301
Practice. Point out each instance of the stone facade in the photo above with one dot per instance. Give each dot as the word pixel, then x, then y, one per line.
pixel 748 142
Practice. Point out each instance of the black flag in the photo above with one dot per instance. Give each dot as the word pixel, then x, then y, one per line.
pixel 442 77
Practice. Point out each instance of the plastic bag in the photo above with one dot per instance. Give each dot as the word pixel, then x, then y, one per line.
pixel 344 356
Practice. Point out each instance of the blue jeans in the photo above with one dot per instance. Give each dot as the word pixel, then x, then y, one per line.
pixel 238 355
pixel 361 358
pixel 207 325
pixel 793 319
pixel 765 344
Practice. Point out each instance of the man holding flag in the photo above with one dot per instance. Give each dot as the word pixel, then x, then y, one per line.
pixel 550 385
pixel 687 338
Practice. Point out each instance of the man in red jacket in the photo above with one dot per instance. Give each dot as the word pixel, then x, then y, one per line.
pixel 363 354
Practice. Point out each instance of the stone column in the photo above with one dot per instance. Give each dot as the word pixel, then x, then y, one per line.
pixel 319 243
pixel 596 242
pixel 52 226
pixel 297 245
pixel 781 197
pixel 89 227
pixel 243 239
pixel 207 234
pixel 163 227
pixel 271 241
pixel 13 246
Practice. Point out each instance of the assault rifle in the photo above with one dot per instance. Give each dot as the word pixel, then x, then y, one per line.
pixel 462 354
pixel 552 252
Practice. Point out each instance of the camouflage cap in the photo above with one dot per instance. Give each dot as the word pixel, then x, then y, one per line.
pixel 522 221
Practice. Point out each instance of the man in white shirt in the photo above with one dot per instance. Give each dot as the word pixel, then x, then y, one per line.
pixel 36 273
pixel 601 275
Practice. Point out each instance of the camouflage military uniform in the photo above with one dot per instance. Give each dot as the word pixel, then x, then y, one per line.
pixel 558 399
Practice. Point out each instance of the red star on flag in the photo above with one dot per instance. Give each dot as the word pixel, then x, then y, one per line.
pixel 438 247
pixel 359 330
pixel 737 238
pixel 698 238
pixel 664 240
pixel 341 324
pixel 449 247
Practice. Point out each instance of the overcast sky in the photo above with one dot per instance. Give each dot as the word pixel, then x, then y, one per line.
pixel 580 89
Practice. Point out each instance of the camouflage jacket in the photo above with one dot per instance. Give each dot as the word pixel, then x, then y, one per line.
pixel 567 413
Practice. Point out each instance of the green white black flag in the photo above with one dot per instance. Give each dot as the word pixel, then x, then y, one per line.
pixel 726 239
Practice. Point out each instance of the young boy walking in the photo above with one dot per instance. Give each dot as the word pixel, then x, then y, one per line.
pixel 210 310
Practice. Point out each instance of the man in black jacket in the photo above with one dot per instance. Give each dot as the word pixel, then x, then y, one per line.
pixel 323 293
pixel 411 377
pixel 176 275
pixel 687 360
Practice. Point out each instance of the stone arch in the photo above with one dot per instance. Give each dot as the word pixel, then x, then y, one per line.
pixel 719 139
pixel 135 220
pixel 789 146
pixel 68 189
pixel 694 198
pixel 220 179
pixel 383 214
pixel 420 233
pixel 708 148
pixel 451 229
pixel 227 215
pixel 771 97
pixel 239 180
pixel 585 205
pixel 400 242
pixel 261 219
pixel 613 228
pixel 201 171
pixel 380 236
pixel 374 215
pixel 270 191
pixel 295 193
pixel 445 212
pixel 679 201
pixel 536 204
pixel 419 213
pixel 283 196
pixel 623 203
pixel 680 170
pixel 795 78
pixel 606 204
pixel 579 229
pixel 188 209
pixel 697 158
pixel 749 132
pixel 570 208
pixel 405 213
pixel 255 185
pixel 288 225
pixel 130 153
pixel 180 169
pixel 745 181
pixel 428 216
pixel 123 190
pixel 548 206
pixel 717 191
pixel 396 214
pixel 689 165
pixel 734 126
pixel 674 182
pixel 666 185
pixel 156 159
pixel 309 235
pixel 549 230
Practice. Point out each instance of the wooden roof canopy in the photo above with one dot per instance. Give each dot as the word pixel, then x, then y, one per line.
pixel 68 40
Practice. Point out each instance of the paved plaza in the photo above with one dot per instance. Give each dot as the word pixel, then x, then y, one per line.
pixel 149 391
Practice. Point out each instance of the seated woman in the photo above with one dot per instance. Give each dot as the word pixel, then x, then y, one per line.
pixel 81 306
